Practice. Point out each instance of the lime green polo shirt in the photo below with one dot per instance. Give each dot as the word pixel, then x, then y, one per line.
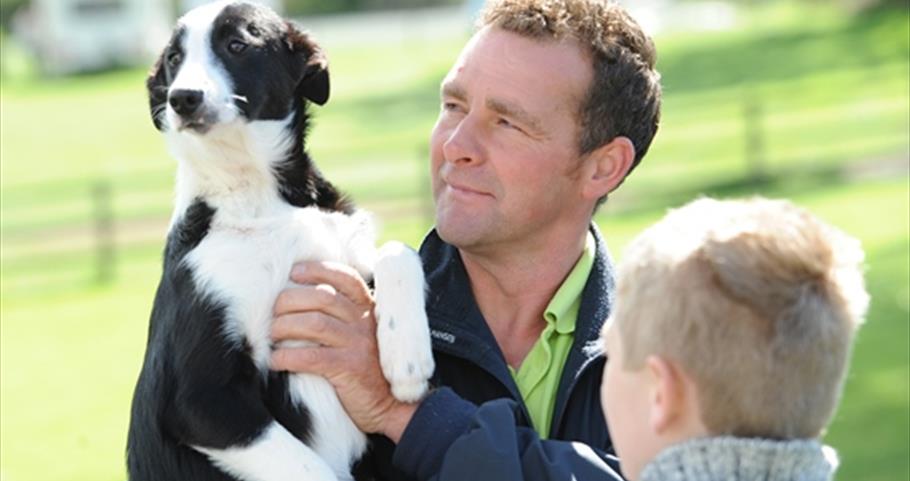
pixel 538 376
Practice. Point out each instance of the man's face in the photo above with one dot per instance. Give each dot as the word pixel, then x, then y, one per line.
pixel 625 400
pixel 505 147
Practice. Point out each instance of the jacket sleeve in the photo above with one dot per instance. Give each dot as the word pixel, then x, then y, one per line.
pixel 451 439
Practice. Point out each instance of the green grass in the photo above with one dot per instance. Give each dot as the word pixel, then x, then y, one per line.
pixel 833 94
pixel 870 429
pixel 70 359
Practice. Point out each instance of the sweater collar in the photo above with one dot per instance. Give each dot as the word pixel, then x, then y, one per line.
pixel 727 458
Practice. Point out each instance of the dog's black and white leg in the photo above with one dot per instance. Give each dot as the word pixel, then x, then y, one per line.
pixel 402 331
pixel 275 455
pixel 405 350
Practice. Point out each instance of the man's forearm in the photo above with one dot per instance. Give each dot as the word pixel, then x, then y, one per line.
pixel 449 438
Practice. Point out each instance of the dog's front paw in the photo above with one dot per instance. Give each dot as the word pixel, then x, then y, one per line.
pixel 405 353
pixel 405 350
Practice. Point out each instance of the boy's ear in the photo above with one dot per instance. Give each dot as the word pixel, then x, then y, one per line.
pixel 607 166
pixel 667 397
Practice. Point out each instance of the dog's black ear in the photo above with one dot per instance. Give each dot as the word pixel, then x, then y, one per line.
pixel 313 77
pixel 315 83
pixel 157 84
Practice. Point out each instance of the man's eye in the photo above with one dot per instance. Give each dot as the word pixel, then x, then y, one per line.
pixel 237 46
pixel 502 122
pixel 451 107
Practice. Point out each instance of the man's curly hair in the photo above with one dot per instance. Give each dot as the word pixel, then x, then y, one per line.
pixel 624 96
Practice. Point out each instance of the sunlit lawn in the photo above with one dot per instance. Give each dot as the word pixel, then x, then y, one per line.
pixel 70 350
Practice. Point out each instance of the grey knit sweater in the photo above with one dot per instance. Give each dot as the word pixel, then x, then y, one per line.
pixel 742 459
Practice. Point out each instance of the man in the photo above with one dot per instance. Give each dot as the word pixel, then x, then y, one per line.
pixel 550 105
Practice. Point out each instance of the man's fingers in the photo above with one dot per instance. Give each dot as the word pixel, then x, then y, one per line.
pixel 340 276
pixel 312 326
pixel 322 298
pixel 318 360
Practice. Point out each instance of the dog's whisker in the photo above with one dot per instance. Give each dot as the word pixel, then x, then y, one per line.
pixel 240 98
pixel 158 111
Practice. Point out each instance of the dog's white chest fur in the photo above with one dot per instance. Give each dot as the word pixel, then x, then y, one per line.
pixel 244 264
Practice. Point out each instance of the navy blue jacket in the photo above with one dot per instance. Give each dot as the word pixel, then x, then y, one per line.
pixel 474 425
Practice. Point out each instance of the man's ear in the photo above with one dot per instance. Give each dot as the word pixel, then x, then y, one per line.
pixel 313 83
pixel 607 166
pixel 667 396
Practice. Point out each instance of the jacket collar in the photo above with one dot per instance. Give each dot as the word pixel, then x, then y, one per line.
pixel 596 303
pixel 458 328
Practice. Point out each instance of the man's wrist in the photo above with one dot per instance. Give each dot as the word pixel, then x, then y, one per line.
pixel 397 420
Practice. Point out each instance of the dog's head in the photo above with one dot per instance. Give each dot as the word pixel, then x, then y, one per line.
pixel 230 61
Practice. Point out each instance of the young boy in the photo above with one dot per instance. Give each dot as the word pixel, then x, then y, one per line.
pixel 729 342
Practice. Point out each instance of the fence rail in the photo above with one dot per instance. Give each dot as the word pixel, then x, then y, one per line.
pixel 91 226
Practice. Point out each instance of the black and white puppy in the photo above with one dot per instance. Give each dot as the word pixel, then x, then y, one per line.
pixel 230 94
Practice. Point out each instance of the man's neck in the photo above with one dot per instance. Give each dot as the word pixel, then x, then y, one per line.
pixel 513 289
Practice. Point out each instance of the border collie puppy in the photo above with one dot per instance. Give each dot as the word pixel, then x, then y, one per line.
pixel 230 94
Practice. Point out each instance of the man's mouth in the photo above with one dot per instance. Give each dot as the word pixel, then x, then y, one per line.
pixel 464 190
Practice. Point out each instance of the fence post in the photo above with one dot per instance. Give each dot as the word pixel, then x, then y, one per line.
pixel 103 213
pixel 755 138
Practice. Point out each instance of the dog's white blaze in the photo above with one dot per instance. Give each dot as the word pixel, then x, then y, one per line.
pixel 276 455
pixel 231 165
pixel 200 69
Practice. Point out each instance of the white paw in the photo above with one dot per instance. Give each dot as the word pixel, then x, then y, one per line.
pixel 405 350
pixel 405 354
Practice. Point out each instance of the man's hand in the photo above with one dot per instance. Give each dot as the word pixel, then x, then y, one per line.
pixel 333 308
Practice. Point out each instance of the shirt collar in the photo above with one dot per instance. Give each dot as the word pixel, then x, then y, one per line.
pixel 568 296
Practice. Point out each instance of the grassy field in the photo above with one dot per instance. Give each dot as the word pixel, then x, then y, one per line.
pixel 834 103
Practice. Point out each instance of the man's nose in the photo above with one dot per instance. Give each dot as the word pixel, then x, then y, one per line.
pixel 464 144
pixel 185 102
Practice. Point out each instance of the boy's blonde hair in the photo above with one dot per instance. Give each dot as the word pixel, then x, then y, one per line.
pixel 757 301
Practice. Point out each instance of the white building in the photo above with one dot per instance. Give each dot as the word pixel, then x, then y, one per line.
pixel 187 5
pixel 69 36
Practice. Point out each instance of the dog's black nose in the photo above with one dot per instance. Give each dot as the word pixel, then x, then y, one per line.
pixel 185 102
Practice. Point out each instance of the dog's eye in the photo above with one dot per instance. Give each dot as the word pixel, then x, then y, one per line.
pixel 174 58
pixel 237 46
pixel 253 31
